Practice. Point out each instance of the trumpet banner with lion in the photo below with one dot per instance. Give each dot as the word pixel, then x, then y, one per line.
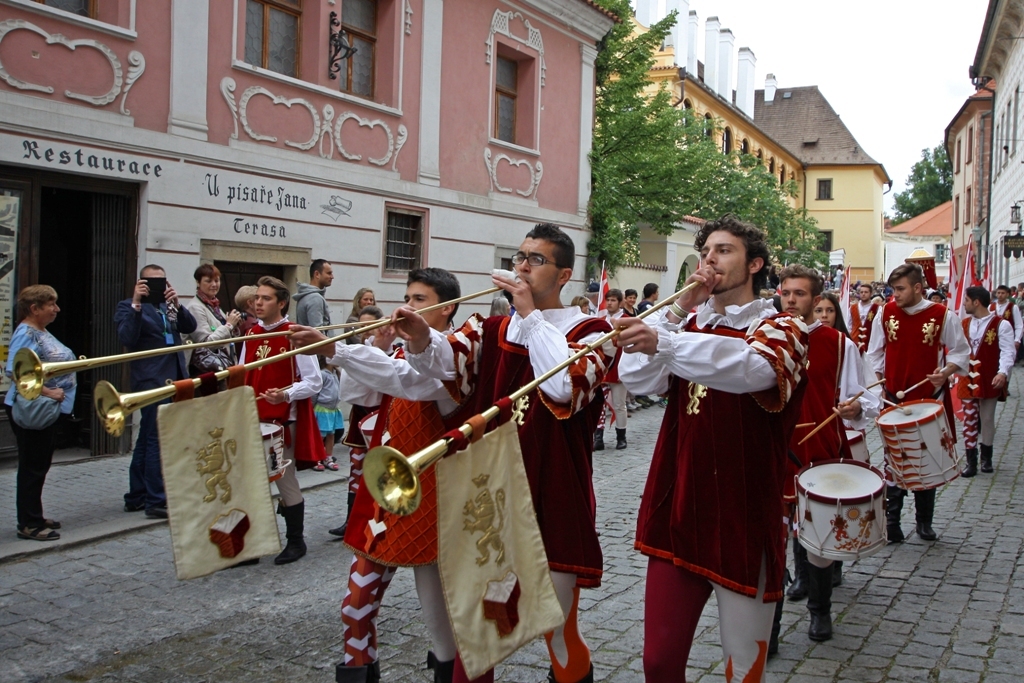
pixel 491 557
pixel 215 476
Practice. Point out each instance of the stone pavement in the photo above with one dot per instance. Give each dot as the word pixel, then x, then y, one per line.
pixel 111 610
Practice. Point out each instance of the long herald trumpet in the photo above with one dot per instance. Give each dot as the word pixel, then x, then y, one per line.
pixel 113 408
pixel 30 373
pixel 393 478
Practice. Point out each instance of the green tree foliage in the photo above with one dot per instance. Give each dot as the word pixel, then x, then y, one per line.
pixel 929 184
pixel 654 163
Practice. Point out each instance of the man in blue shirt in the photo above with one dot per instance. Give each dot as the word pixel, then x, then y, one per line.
pixel 142 326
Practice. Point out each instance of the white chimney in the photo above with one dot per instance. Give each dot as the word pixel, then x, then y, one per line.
pixel 680 30
pixel 646 10
pixel 691 43
pixel 711 29
pixel 725 56
pixel 770 86
pixel 745 64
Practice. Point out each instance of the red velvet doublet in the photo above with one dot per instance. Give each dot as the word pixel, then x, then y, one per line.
pixel 861 334
pixel 713 500
pixel 984 361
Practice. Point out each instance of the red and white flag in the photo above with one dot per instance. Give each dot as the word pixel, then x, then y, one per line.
pixel 602 290
pixel 844 296
pixel 954 286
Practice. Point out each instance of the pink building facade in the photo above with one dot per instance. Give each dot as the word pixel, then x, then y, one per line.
pixel 240 132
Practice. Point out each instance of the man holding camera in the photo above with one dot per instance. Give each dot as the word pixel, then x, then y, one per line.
pixel 151 319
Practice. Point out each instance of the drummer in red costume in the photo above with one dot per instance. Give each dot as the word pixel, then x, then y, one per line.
pixel 1007 310
pixel 992 355
pixel 286 392
pixel 862 314
pixel 834 373
pixel 488 360
pixel 914 339
pixel 413 414
pixel 711 514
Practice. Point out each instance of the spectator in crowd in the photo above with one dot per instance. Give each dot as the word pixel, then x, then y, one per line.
pixel 328 416
pixel 650 297
pixel 629 303
pixel 310 300
pixel 142 325
pixel 500 306
pixel 37 308
pixel 244 298
pixel 937 297
pixel 363 298
pixel 828 311
pixel 582 302
pixel 593 291
pixel 211 324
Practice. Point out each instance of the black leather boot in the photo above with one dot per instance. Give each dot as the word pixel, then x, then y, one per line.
pixel 773 642
pixel 894 496
pixel 924 501
pixel 986 459
pixel 972 463
pixel 620 438
pixel 837 573
pixel 798 589
pixel 357 674
pixel 599 439
pixel 340 531
pixel 443 671
pixel 296 547
pixel 819 602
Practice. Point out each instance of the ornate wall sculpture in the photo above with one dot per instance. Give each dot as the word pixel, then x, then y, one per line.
pixel 501 23
pixel 136 65
pixel 536 173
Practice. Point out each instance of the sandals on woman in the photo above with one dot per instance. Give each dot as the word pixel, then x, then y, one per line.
pixel 37 533
pixel 51 524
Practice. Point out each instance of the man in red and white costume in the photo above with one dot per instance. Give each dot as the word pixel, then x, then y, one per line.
pixel 1007 310
pixel 614 391
pixel 992 356
pixel 834 374
pixel 914 339
pixel 711 517
pixel 415 411
pixel 862 315
pixel 286 390
pixel 489 359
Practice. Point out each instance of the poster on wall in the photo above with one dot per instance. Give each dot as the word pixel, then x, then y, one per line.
pixel 10 213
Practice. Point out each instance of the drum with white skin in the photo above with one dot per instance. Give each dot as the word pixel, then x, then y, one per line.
pixel 841 509
pixel 858 446
pixel 273 449
pixel 920 451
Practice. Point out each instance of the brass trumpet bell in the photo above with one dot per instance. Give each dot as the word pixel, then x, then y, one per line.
pixel 392 479
pixel 114 408
pixel 28 374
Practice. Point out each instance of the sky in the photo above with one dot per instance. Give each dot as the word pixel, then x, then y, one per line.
pixel 894 71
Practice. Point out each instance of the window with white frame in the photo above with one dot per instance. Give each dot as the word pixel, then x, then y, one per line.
pixel 272 35
pixel 506 87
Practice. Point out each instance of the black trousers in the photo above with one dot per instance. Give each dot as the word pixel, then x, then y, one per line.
pixel 35 454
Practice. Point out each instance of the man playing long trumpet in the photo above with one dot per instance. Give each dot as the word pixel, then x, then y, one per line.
pixel 915 340
pixel 286 391
pixel 834 373
pixel 413 414
pixel 711 514
pixel 487 360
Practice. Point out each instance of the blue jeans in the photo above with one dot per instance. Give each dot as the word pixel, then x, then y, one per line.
pixel 145 480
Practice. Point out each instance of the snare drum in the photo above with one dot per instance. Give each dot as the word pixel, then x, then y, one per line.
pixel 841 509
pixel 858 446
pixel 273 449
pixel 919 449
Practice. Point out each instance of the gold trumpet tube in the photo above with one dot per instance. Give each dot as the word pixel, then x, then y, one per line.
pixel 30 373
pixel 393 478
pixel 113 408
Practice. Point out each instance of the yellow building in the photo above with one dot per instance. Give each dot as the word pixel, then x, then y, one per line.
pixel 793 131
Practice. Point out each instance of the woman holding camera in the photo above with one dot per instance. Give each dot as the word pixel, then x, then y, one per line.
pixel 211 324
pixel 37 308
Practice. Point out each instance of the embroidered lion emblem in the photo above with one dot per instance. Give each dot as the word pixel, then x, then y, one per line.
pixel 480 514
pixel 213 459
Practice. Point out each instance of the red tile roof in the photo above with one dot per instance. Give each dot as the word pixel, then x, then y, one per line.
pixel 937 222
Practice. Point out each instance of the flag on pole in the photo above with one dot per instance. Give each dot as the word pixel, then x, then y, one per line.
pixel 954 285
pixel 602 290
pixel 844 296
pixel 966 280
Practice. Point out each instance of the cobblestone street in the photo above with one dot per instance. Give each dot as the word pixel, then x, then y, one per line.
pixel 111 609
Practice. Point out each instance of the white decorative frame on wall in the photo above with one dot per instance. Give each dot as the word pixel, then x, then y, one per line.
pixel 128 33
pixel 501 23
pixel 238 63
pixel 328 129
pixel 119 85
pixel 536 173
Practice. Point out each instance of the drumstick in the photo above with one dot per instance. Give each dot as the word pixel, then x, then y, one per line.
pixel 281 389
pixel 836 412
pixel 903 409
pixel 804 425
pixel 903 394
